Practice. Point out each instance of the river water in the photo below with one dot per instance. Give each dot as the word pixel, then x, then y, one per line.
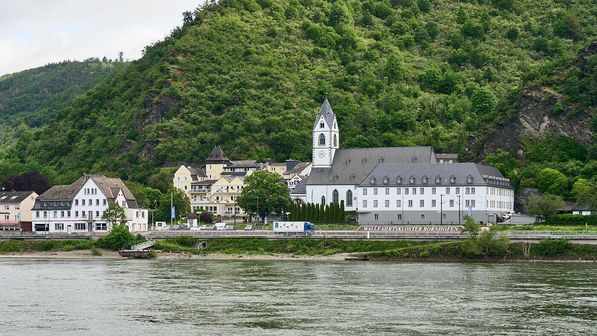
pixel 162 297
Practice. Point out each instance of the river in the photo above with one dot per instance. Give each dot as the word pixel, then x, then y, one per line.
pixel 165 297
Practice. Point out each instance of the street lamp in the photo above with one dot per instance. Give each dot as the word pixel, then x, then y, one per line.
pixel 441 209
pixel 458 209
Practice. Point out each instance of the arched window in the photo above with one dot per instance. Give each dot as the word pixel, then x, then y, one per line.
pixel 321 125
pixel 452 179
pixel 386 180
pixel 425 179
pixel 438 180
pixel 399 180
pixel 469 179
pixel 412 180
pixel 335 141
pixel 335 196
pixel 322 140
pixel 349 198
pixel 322 200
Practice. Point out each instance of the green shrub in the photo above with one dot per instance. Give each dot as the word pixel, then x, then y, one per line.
pixel 118 238
pixel 14 246
pixel 549 247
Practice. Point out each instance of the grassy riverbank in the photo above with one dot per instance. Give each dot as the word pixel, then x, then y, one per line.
pixel 219 248
pixel 546 249
pixel 298 246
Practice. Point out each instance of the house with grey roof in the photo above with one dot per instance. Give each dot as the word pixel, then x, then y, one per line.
pixel 15 210
pixel 344 176
pixel 80 206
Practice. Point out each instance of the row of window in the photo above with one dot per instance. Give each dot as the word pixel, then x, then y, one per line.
pixel 410 203
pixel 413 191
pixel 424 179
pixel 500 192
pixel 90 191
pixel 499 204
pixel 90 202
pixel 67 214
pixel 81 226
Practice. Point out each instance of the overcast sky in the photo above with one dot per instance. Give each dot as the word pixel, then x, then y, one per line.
pixel 36 32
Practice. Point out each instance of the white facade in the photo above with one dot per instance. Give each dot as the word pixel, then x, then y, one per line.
pixel 434 205
pixel 84 212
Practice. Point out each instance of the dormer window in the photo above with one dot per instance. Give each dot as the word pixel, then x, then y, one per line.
pixel 335 177
pixel 380 160
pixel 412 180
pixel 469 179
pixel 425 179
pixel 352 177
pixel 386 180
pixel 347 162
pixel 321 124
pixel 414 159
pixel 364 161
pixel 322 140
pixel 438 180
pixel 452 179
pixel 399 180
pixel 373 180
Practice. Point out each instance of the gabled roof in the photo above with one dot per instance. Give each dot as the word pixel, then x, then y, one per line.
pixel 298 168
pixel 10 197
pixel 109 186
pixel 327 113
pixel 351 166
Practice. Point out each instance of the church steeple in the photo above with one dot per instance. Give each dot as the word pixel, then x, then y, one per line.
pixel 326 136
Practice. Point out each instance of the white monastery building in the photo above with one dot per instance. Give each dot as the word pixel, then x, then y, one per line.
pixel 400 185
pixel 80 206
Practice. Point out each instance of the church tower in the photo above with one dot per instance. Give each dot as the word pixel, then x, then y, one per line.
pixel 326 137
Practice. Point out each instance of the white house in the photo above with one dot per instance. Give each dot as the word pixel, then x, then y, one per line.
pixel 345 176
pixel 80 206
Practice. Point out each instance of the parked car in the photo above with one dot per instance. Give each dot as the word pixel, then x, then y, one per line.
pixel 249 228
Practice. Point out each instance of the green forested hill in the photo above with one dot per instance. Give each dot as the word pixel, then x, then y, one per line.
pixel 34 97
pixel 250 75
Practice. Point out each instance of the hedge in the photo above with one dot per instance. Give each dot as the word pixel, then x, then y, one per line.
pixel 571 220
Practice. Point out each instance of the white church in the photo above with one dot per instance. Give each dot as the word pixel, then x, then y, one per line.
pixel 400 185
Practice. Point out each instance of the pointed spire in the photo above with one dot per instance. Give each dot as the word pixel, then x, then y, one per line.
pixel 326 112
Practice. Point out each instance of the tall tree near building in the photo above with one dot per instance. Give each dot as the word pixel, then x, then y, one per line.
pixel 264 194
pixel 115 215
pixel 544 205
